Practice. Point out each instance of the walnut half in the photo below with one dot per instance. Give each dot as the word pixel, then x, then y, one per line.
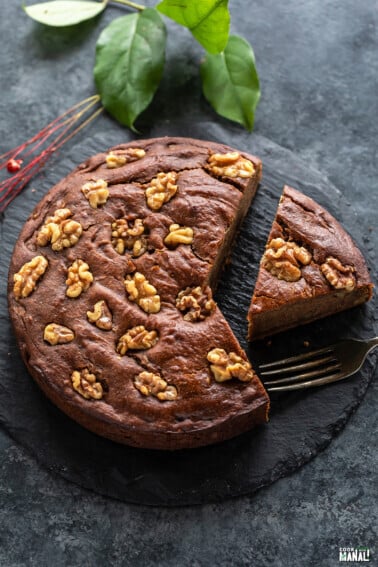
pixel 119 158
pixel 60 230
pixel 79 278
pixel 86 384
pixel 226 366
pixel 179 235
pixel 161 189
pixel 142 292
pixel 231 164
pixel 101 316
pixel 96 192
pixel 136 338
pixel 338 275
pixel 57 334
pixel 153 384
pixel 129 235
pixel 195 303
pixel 284 259
pixel 27 277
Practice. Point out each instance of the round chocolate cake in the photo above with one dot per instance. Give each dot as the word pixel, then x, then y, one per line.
pixel 110 294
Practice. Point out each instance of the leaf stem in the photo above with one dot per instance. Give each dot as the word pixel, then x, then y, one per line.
pixel 130 4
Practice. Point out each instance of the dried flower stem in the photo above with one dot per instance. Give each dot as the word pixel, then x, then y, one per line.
pixel 36 151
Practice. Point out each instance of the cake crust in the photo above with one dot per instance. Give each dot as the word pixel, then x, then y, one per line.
pixel 86 298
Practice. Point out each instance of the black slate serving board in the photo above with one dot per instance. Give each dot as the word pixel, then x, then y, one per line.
pixel 301 423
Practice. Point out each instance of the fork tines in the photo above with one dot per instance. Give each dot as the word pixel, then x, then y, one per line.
pixel 315 364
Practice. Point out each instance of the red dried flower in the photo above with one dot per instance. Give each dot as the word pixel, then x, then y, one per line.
pixel 36 151
pixel 14 165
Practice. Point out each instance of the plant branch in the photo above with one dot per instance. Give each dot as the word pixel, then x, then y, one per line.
pixel 130 4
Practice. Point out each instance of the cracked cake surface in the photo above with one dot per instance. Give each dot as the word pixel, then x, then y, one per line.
pixel 311 268
pixel 110 294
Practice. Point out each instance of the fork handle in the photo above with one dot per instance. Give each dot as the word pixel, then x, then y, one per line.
pixel 372 343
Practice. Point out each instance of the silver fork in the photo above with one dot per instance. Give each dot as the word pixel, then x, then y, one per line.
pixel 317 367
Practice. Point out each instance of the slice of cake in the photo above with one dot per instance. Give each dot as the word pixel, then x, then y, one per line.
pixel 111 301
pixel 310 269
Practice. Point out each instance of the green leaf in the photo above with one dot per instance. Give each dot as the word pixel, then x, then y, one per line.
pixel 208 20
pixel 130 57
pixel 230 82
pixel 64 12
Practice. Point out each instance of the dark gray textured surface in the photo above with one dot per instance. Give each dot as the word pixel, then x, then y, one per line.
pixel 318 68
